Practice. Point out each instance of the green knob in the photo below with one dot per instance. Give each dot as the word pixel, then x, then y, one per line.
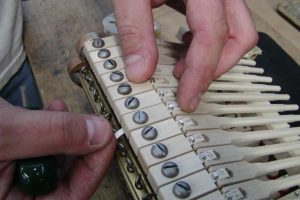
pixel 37 176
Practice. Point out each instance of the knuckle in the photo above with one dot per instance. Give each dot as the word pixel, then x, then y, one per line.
pixel 202 81
pixel 134 39
pixel 249 39
pixel 128 34
pixel 222 29
pixel 219 30
pixel 128 30
pixel 69 130
pixel 217 34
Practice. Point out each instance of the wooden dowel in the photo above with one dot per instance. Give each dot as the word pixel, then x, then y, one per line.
pixel 236 109
pixel 246 69
pixel 219 97
pixel 247 62
pixel 241 171
pixel 216 137
pixel 205 121
pixel 277 165
pixel 240 77
pixel 217 109
pixel 243 87
pixel 256 121
pixel 257 152
pixel 252 136
pixel 280 184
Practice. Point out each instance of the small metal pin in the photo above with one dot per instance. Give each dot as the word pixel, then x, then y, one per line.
pixel 98 43
pixel 149 133
pixel 103 53
pixel 129 162
pixel 227 196
pixel 130 166
pixel 219 174
pixel 96 96
pixel 214 176
pixel 139 182
pixel 147 196
pixel 171 107
pixel 182 190
pixel 92 87
pixel 234 194
pixel 159 150
pixel 110 64
pixel 124 89
pixel 208 155
pixel 140 117
pixel 297 193
pixel 195 137
pixel 170 169
pixel 83 70
pixel 161 94
pixel 121 149
pixel 116 76
pixel 180 123
pixel 88 79
pixel 132 103
pixel 191 140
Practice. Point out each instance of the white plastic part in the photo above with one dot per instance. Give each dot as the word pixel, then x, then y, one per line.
pixel 109 25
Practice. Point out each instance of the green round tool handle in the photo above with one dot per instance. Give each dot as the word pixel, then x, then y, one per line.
pixel 37 176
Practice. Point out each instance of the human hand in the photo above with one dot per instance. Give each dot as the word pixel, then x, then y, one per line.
pixel 25 134
pixel 222 31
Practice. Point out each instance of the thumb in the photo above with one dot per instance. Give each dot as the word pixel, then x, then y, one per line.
pixel 25 133
pixel 135 28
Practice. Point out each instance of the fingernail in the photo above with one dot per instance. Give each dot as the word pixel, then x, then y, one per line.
pixel 98 135
pixel 195 101
pixel 134 63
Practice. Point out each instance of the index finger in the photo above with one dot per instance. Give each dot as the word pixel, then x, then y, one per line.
pixel 207 21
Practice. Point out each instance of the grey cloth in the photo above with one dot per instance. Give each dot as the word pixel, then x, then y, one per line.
pixel 12 53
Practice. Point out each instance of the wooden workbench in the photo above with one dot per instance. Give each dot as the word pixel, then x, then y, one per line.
pixel 52 28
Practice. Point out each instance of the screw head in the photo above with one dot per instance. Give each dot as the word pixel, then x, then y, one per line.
pixel 159 150
pixel 140 117
pixel 170 169
pixel 124 89
pixel 149 133
pixel 182 190
pixel 103 53
pixel 110 64
pixel 98 43
pixel 116 76
pixel 132 103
